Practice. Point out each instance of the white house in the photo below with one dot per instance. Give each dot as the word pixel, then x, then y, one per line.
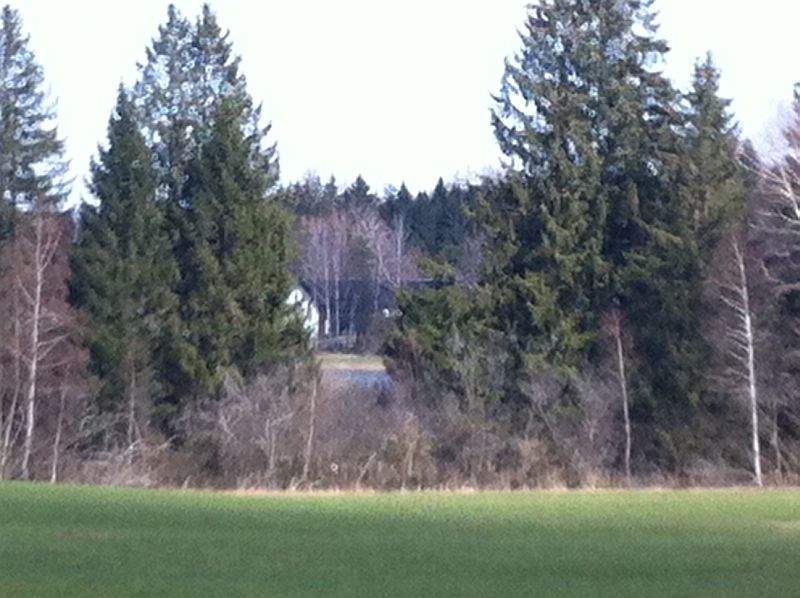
pixel 300 299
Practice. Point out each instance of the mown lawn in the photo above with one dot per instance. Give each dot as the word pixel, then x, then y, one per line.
pixel 82 541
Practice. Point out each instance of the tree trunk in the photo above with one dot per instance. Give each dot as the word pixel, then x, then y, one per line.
pixel 312 422
pixel 326 271
pixel 36 314
pixel 57 441
pixel 9 438
pixel 400 233
pixel 776 447
pixel 9 419
pixel 623 383
pixel 273 446
pixel 751 364
pixel 336 301
pixel 131 408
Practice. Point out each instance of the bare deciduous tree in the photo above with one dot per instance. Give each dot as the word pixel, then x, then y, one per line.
pixel 340 240
pixel 378 239
pixel 43 344
pixel 315 263
pixel 576 414
pixel 313 378
pixel 739 335
pixel 770 256
pixel 614 329
pixel 326 244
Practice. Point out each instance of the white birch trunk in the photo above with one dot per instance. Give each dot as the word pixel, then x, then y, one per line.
pixel 131 403
pixel 623 383
pixel 751 367
pixel 400 238
pixel 39 266
pixel 57 440
pixel 743 338
pixel 9 421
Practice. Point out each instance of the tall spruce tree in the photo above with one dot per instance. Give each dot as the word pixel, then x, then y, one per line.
pixel 664 277
pixel 123 274
pixel 190 68
pixel 422 222
pixel 596 139
pixel 359 196
pixel 234 260
pixel 545 123
pixel 164 102
pixel 713 181
pixel 397 206
pixel 31 154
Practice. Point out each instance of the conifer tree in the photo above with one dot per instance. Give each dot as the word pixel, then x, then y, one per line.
pixel 398 206
pixel 595 137
pixel 123 276
pixel 162 97
pixel 31 163
pixel 233 255
pixel 422 222
pixel 712 182
pixel 545 122
pixel 190 68
pixel 664 277
pixel 359 196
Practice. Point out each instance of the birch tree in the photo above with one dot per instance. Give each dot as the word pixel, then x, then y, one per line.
pixel 613 326
pixel 315 263
pixel 775 232
pixel 45 323
pixel 11 372
pixel 340 225
pixel 739 336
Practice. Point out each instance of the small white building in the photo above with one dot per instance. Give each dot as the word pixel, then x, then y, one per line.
pixel 301 299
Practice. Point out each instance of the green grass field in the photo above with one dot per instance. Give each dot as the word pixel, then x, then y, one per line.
pixel 81 541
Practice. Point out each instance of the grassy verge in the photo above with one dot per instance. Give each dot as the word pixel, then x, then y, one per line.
pixel 350 362
pixel 83 541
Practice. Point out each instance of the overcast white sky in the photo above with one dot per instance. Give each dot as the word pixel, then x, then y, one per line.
pixel 393 90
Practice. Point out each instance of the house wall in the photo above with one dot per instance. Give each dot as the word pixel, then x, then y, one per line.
pixel 301 300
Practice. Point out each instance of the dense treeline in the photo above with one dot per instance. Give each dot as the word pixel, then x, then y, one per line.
pixel 619 187
pixel 620 302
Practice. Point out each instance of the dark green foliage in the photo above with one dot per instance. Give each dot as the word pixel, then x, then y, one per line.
pixel 547 122
pixel 189 69
pixel 616 197
pixel 398 206
pixel 662 297
pixel 123 272
pixel 602 217
pixel 183 266
pixel 663 281
pixel 712 195
pixel 435 329
pixel 310 197
pixel 165 106
pixel 713 182
pixel 439 223
pixel 358 196
pixel 425 216
pixel 31 164
pixel 233 255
